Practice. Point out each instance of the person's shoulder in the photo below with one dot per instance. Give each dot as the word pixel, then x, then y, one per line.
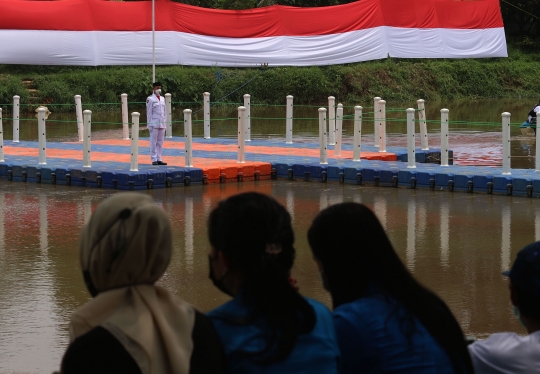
pixel 501 341
pixel 151 98
pixel 317 305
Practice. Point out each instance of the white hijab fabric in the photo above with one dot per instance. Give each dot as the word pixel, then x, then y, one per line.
pixel 125 247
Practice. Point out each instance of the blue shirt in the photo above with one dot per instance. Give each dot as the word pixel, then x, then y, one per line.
pixel 371 340
pixel 314 352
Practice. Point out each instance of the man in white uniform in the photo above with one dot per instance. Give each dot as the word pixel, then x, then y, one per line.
pixel 532 115
pixel 155 118
pixel 508 352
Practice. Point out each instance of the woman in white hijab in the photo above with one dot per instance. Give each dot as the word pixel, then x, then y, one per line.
pixel 132 325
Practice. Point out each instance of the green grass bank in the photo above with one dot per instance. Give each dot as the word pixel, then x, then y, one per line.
pixel 393 79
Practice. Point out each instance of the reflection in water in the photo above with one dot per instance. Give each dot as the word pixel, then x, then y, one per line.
pixel 454 243
pixel 505 239
pixel 411 232
pixel 445 233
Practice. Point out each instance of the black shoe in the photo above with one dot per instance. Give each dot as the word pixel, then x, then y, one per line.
pixel 161 162
pixel 155 163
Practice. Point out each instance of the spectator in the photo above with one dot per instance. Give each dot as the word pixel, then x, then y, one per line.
pixel 508 352
pixel 132 325
pixel 267 326
pixel 386 322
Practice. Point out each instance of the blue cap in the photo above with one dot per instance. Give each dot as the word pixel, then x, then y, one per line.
pixel 525 272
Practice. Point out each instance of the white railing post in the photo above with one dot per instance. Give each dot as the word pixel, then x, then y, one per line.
pixel 125 116
pixel 79 115
pixel 423 125
pixel 331 120
pixel 382 126
pixel 444 137
pixel 168 119
pixel 357 132
pixel 411 156
pixel 506 142
pixel 241 134
pixel 247 105
pixel 376 121
pixel 1 138
pixel 42 142
pixel 322 136
pixel 206 109
pixel 16 114
pixel 289 119
pixel 87 131
pixel 134 165
pixel 188 137
pixel 339 130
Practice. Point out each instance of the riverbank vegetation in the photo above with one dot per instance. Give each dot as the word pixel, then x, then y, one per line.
pixel 390 78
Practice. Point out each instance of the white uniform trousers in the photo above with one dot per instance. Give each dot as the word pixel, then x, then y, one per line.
pixel 157 136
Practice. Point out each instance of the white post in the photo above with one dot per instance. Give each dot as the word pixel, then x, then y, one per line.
pixel 1 138
pixel 168 119
pixel 79 115
pixel 331 120
pixel 322 136
pixel 134 165
pixel 247 104
pixel 444 137
pixel 411 157
pixel 241 133
pixel 537 158
pixel 87 130
pixel 42 138
pixel 339 130
pixel 289 120
pixel 506 143
pixel 206 105
pixel 188 139
pixel 382 126
pixel 357 132
pixel 376 121
pixel 16 112
pixel 125 118
pixel 423 126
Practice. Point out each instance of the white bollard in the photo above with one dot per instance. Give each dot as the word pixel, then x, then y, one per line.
pixel 382 126
pixel 42 137
pixel 376 121
pixel 206 108
pixel 506 143
pixel 134 165
pixel 79 115
pixel 247 105
pixel 423 125
pixel 357 132
pixel 87 131
pixel 16 113
pixel 1 138
pixel 444 137
pixel 289 120
pixel 322 136
pixel 411 156
pixel 188 137
pixel 241 134
pixel 125 117
pixel 168 118
pixel 331 120
pixel 339 130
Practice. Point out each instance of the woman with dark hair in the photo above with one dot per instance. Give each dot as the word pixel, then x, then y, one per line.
pixel 267 326
pixel 386 322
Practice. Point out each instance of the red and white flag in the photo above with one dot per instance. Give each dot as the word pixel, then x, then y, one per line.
pixel 97 32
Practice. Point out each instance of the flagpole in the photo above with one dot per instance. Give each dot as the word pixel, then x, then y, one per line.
pixel 153 43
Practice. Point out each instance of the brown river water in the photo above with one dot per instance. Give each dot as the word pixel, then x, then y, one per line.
pixel 456 244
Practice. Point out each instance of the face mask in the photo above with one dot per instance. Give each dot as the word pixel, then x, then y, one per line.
pixel 323 282
pixel 158 92
pixel 517 314
pixel 217 283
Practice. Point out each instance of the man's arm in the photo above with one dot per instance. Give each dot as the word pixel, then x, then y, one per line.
pixel 148 110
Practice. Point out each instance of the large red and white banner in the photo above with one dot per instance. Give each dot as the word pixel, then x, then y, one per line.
pixel 97 32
